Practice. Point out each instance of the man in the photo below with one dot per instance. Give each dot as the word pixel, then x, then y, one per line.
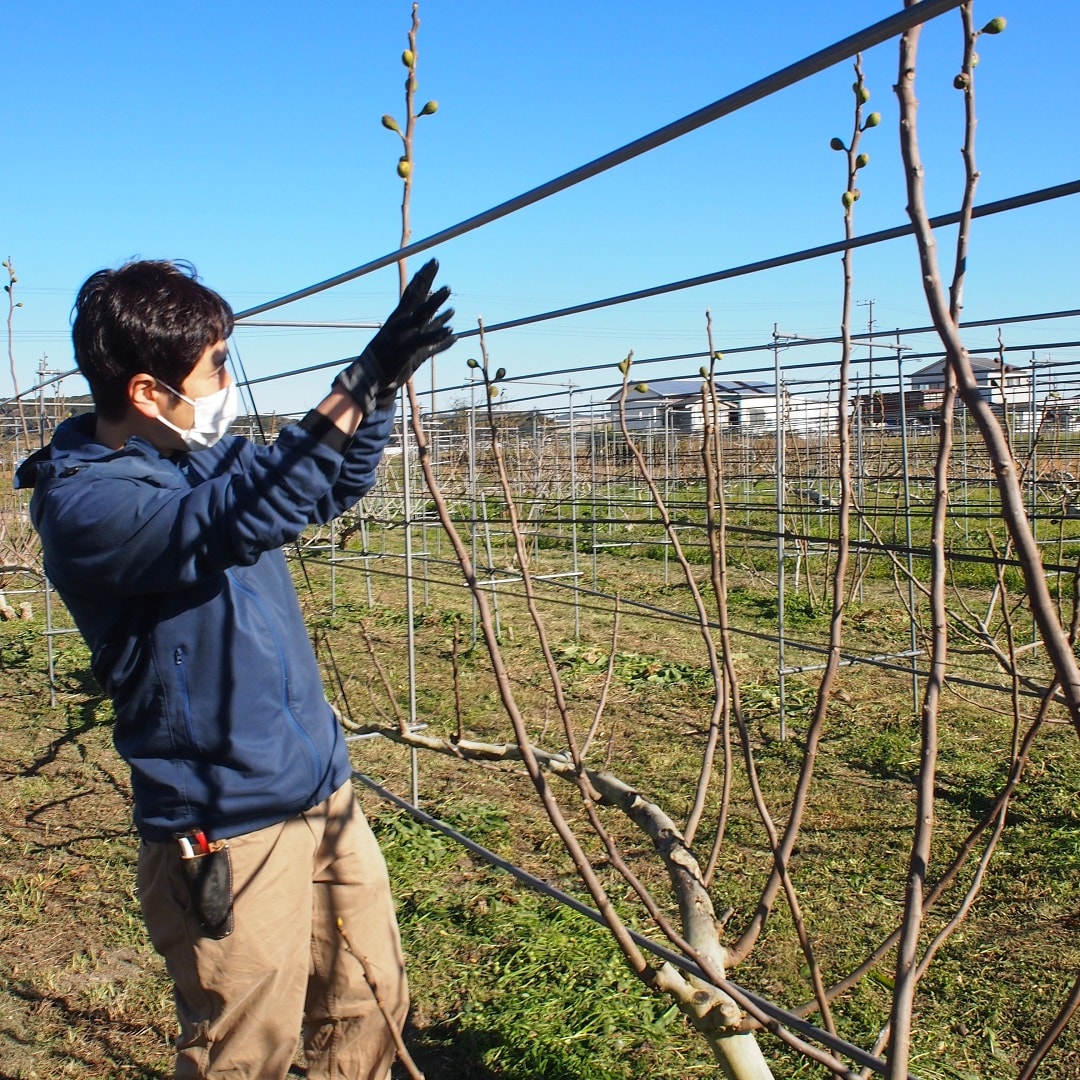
pixel 162 534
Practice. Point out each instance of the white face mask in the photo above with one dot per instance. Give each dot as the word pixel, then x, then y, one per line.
pixel 212 416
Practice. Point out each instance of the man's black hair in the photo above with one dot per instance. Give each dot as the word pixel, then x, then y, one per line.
pixel 148 316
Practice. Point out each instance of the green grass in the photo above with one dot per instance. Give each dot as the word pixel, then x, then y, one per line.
pixel 522 987
pixel 506 983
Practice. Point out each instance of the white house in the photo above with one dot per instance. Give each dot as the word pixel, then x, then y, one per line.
pixel 1059 413
pixel 749 407
pixel 998 385
pixel 664 405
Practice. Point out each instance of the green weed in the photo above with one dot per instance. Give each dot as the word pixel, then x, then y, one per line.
pixel 524 988
pixel 17 642
pixel 631 668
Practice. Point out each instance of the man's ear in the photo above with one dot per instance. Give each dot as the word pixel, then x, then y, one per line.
pixel 142 392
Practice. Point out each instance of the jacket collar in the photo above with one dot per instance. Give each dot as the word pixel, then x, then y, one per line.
pixel 73 447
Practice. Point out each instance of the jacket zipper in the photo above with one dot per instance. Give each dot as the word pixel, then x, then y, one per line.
pixel 185 697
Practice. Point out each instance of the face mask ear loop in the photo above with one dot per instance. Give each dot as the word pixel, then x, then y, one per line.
pixel 182 432
pixel 173 390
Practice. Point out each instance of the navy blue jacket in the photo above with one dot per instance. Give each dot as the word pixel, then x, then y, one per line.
pixel 172 570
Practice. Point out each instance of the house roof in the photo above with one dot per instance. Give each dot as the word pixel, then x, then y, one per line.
pixel 736 386
pixel 978 363
pixel 675 387
pixel 691 388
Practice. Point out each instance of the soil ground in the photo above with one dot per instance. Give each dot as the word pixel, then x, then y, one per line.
pixel 82 994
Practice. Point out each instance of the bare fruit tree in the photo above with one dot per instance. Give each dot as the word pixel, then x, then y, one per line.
pixel 581 816
pixel 589 807
pixel 1057 639
pixel 20 553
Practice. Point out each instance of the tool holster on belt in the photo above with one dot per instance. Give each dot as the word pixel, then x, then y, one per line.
pixel 207 868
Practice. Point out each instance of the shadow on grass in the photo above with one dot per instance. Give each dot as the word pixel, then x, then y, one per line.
pixel 84 686
pixel 446 1051
pixel 87 786
pixel 106 1050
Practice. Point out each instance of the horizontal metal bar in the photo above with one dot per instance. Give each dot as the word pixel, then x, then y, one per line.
pixel 851 661
pixel 825 58
pixel 533 577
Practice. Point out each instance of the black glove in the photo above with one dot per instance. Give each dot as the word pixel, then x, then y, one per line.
pixel 411 334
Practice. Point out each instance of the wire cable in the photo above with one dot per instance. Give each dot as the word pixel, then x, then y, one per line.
pixel 879 32
pixel 1015 202
pixel 774 1012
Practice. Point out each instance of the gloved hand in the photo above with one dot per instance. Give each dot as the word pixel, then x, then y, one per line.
pixel 411 334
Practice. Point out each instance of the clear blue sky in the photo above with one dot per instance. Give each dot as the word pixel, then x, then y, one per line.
pixel 245 137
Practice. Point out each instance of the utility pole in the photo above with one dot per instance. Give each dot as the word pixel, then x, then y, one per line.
pixel 870 355
pixel 43 373
pixel 780 341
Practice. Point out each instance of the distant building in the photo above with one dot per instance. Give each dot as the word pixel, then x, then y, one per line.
pixel 889 410
pixel 664 405
pixel 1057 413
pixel 677 405
pixel 999 385
pixel 1029 401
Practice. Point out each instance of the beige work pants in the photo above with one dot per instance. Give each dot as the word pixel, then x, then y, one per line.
pixel 243 1000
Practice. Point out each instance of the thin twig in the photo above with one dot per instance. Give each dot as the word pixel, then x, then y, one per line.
pixel 456 674
pixel 609 675
pixel 1065 1014
pixel 380 670
pixel 403 1054
pixel 9 288
pixel 712 739
pixel 1006 471
pixel 716 526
